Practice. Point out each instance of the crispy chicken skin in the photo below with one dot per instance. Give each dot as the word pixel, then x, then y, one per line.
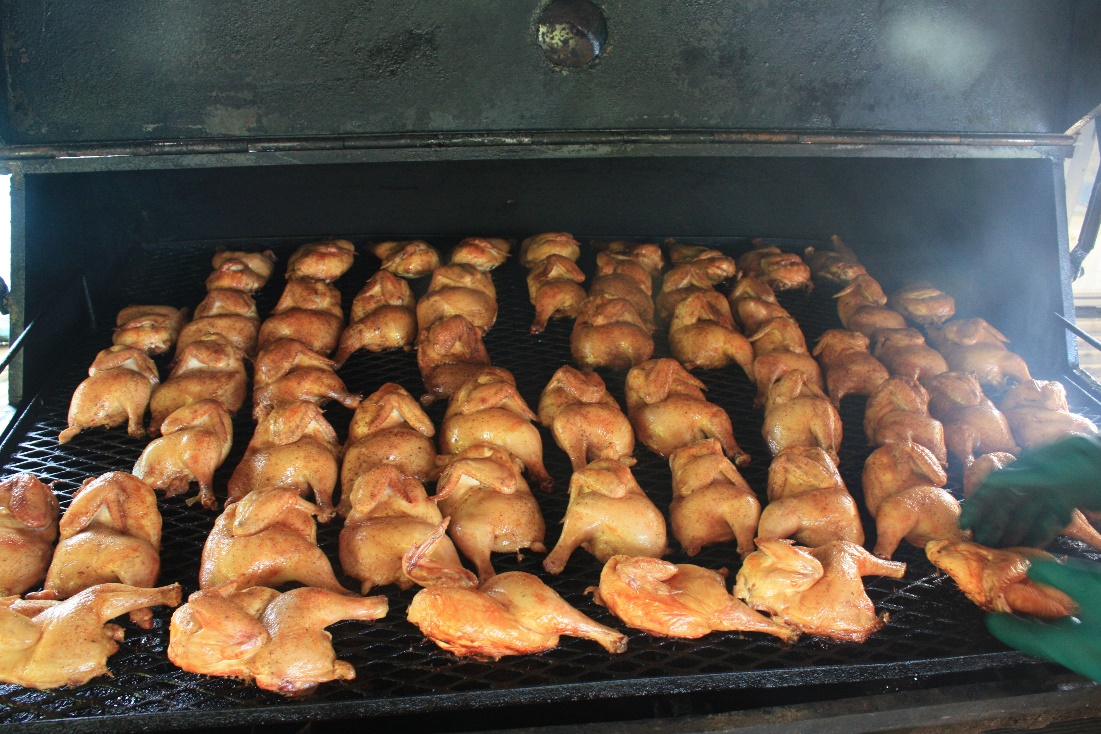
pixel 849 367
pixel 394 534
pixel 110 533
pixel 898 410
pixel 50 644
pixel 903 491
pixel 702 334
pixel 997 581
pixel 608 515
pixel 309 311
pixel 924 304
pixel 194 442
pixel 973 345
pixel 779 347
pixel 905 354
pixel 152 329
pixel 753 304
pixel 449 353
pixel 241 271
pixel 539 247
pixel 409 259
pixel 483 253
pixel 798 413
pixel 288 371
pixel 210 368
pixel 489 410
pixel 779 270
pixel 667 600
pixel 554 288
pixel 1038 414
pixel 294 448
pixel 860 305
pixel 118 390
pixel 492 510
pixel 808 500
pixel 585 419
pixel 711 501
pixel 668 409
pixel 28 529
pixel 269 538
pixel 817 591
pixel 972 425
pixel 257 634
pixel 609 332
pixel 459 290
pixel 511 614
pixel 326 260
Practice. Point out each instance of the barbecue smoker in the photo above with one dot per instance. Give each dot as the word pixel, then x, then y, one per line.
pixel 928 136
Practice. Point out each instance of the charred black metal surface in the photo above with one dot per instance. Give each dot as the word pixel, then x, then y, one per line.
pixel 933 630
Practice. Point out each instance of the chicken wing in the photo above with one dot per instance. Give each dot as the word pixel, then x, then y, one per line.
pixel 288 371
pixel 257 634
pixel 667 600
pixel 539 247
pixel 152 329
pixel 492 510
pixel 972 425
pixel 449 353
pixel 667 407
pixel 798 413
pixel 118 390
pixel 50 644
pixel 28 529
pixel 753 304
pixel 511 614
pixel 241 271
pixel 997 580
pixel 898 410
pixel 608 515
pixel 808 500
pixel 903 491
pixel 309 311
pixel 210 368
pixel 585 419
pixel 382 317
pixel 711 501
pixel 779 270
pixel 817 591
pixel 409 259
pixel 905 354
pixel 459 290
pixel 483 253
pixel 860 305
pixel 609 332
pixel 1038 414
pixel 554 287
pixel 701 334
pixel 327 260
pixel 973 345
pixel 924 304
pixel 195 441
pixel 849 366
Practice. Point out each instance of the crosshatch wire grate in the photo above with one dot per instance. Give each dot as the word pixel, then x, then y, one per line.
pixel 932 628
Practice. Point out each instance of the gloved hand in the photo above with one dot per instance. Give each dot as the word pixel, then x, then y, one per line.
pixel 1074 642
pixel 1031 500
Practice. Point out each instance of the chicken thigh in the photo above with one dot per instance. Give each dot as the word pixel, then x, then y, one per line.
pixel 28 529
pixel 382 318
pixel 210 368
pixel 849 366
pixel 798 413
pixel 898 410
pixel 118 390
pixel 972 425
pixel 241 271
pixel 585 419
pixel 711 501
pixel 808 500
pixel 701 334
pixel 554 287
pixel 195 441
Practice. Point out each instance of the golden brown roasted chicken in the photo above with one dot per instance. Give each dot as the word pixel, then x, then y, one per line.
pixel 489 410
pixel 973 345
pixel 849 367
pixel 808 500
pixel 394 534
pixel 459 290
pixel 711 501
pixel 50 644
pixel 753 304
pixel 539 247
pixel 617 285
pixel 861 307
pixel 838 265
pixel 449 353
pixel 409 259
pixel 678 284
pixel 905 354
pixel 257 634
pixel 511 614
pixel 382 317
pixel 702 334
pixel 924 304
pixel 972 425
pixel 554 287
pixel 668 409
pixel 118 390
pixel 152 329
pixel 1038 414
pixel 903 491
pixel 779 348
pixel 293 448
pixel 817 591
pixel 241 271
pixel 209 368
pixel 111 532
pixel 718 265
pixel 779 270
pixel 492 510
pixel 484 253
pixel 229 314
pixel 682 600
pixel 269 538
pixel 997 580
pixel 585 419
pixel 309 311
pixel 609 332
pixel 194 442
pixel 28 529
pixel 898 410
pixel 648 255
pixel 288 371
pixel 798 413
pixel 608 515
pixel 327 260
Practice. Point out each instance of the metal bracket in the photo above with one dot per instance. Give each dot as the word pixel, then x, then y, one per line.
pixel 1087 237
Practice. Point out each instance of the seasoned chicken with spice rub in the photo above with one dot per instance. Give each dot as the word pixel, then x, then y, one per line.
pixel 449 353
pixel 609 332
pixel 118 390
pixel 326 260
pixel 382 317
pixel 554 288
pixel 195 441
pixel 309 311
pixel 702 334
pixel 686 601
pixel 539 247
pixel 779 270
pixel 972 425
pixel 511 614
pixel 779 347
pixel 409 259
pixel 861 307
pixel 224 313
pixel 646 254
pixel 849 367
pixel 152 329
pixel 808 500
pixel 585 419
pixel 483 253
pixel 973 345
pixel 753 304
pixel 711 501
pixel 898 410
pixel 905 354
pixel 838 265
pixel 798 413
pixel 209 368
pixel 241 271
pixel 28 529
pixel 288 371
pixel 923 304
pixel 1038 414
pixel 459 290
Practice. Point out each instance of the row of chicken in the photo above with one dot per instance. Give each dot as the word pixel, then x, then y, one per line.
pixel 395 533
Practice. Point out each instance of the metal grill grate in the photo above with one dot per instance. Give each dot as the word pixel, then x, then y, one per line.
pixel 933 628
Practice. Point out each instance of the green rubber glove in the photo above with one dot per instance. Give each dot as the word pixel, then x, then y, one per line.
pixel 1074 642
pixel 1030 501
